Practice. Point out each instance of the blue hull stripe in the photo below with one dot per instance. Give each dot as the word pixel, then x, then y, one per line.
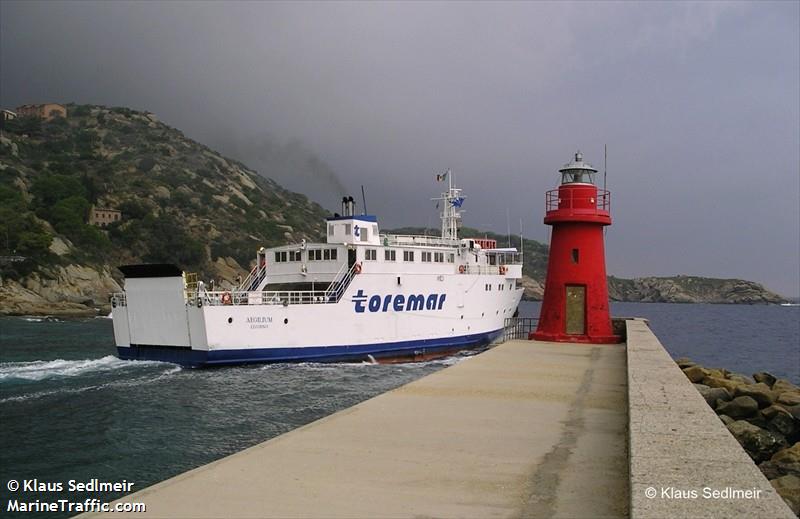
pixel 196 358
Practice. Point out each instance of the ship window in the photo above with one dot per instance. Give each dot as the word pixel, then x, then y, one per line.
pixel 329 254
pixel 330 229
pixel 364 234
pixel 348 229
pixel 426 257
pixel 451 258
pixel 315 254
pixel 295 255
pixel 280 256
pixel 390 255
pixel 408 255
pixel 371 255
pixel 438 257
pixel 375 230
pixel 575 255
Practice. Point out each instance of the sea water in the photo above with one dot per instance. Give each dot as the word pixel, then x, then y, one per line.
pixel 70 410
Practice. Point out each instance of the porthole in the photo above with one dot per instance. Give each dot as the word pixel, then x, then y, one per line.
pixel 286 321
pixel 230 320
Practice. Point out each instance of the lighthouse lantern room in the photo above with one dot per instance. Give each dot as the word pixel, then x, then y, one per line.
pixel 575 304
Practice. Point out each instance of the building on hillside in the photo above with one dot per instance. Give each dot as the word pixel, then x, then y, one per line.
pixel 44 111
pixel 7 115
pixel 102 217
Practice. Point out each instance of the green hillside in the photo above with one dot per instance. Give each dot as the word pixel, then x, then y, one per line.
pixel 181 201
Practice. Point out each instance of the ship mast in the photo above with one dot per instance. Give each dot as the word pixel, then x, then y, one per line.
pixel 450 202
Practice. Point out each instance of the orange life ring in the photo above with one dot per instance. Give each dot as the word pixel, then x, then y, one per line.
pixel 502 269
pixel 226 298
pixel 357 268
pixel 462 269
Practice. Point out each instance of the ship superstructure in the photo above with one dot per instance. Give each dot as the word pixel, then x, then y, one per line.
pixel 360 295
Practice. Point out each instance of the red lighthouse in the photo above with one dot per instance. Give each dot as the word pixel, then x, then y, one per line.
pixel 575 305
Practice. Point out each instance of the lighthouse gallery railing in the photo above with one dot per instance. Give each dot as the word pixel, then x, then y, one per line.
pixel 601 202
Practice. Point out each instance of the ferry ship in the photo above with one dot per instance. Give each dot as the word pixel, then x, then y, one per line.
pixel 359 296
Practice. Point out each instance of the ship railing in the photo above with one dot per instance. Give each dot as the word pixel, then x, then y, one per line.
pixel 119 299
pixel 254 278
pixel 413 240
pixel 518 328
pixel 281 297
pixel 506 258
pixel 340 282
pixel 484 269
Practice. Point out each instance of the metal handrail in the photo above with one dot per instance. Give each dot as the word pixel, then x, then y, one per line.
pixel 422 241
pixel 600 202
pixel 332 294
pixel 485 269
pixel 249 277
pixel 519 327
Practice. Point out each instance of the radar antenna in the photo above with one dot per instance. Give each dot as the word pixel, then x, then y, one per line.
pixel 450 202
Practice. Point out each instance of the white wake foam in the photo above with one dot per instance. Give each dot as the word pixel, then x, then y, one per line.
pixel 44 369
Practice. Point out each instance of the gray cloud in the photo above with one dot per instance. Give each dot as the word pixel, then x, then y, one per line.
pixel 698 103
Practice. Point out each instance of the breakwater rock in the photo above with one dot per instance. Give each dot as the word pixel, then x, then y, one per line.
pixel 763 413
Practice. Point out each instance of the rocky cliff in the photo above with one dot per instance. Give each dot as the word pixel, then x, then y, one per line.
pixel 181 202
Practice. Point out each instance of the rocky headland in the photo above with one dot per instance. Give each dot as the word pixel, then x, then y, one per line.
pixel 690 289
pixel 763 413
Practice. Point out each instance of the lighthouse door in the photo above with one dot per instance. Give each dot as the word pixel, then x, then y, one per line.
pixel 576 310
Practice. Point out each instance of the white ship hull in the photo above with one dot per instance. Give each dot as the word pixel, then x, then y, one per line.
pixel 469 317
pixel 359 296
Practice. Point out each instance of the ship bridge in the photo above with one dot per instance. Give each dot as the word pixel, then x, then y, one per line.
pixel 351 229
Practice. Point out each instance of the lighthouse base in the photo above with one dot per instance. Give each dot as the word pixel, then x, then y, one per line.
pixel 585 339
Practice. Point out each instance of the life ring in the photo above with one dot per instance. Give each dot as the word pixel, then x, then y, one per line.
pixel 226 298
pixel 462 269
pixel 357 268
pixel 502 269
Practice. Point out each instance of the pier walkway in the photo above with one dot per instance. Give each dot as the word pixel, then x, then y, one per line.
pixel 526 429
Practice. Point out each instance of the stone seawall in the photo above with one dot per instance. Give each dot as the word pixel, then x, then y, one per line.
pixel 763 413
pixel 683 460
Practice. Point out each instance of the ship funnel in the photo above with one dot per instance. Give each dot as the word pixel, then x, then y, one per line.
pixel 348 206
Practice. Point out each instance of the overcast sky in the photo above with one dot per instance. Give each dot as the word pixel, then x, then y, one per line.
pixel 697 102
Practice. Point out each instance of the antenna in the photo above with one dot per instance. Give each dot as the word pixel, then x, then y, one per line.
pixel 508 227
pixel 605 172
pixel 364 199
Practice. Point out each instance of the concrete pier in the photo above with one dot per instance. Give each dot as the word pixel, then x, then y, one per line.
pixel 679 447
pixel 526 429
